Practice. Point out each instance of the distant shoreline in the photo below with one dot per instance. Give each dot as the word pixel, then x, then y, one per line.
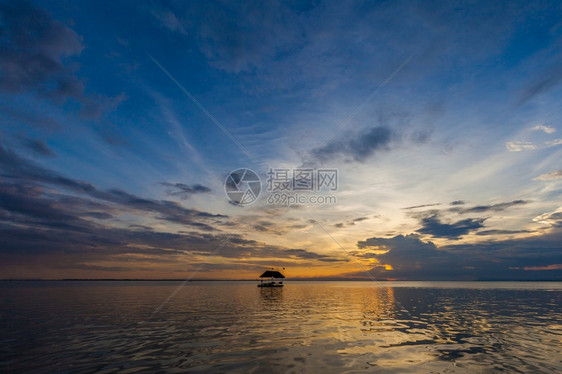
pixel 290 280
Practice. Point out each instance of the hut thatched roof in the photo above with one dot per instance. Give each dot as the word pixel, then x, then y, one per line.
pixel 272 274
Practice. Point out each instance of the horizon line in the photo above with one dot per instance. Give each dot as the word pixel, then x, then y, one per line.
pixel 291 280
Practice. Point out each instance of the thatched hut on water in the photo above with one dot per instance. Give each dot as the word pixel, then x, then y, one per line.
pixel 271 278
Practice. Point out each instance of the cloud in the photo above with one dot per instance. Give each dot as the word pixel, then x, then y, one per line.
pixel 433 226
pixel 29 119
pixel 554 142
pixel 300 43
pixel 86 240
pixel 412 258
pixel 518 146
pixel 553 175
pixel 184 191
pixel 17 168
pixel 358 219
pixel 541 268
pixel 26 200
pixel 98 215
pixel 457 202
pixel 358 146
pixel 431 223
pixel 420 136
pixel 36 57
pixel 38 147
pixel 34 50
pixel 304 254
pixel 350 222
pixel 245 36
pixel 486 208
pixel 169 20
pixel 72 223
pixel 43 213
pixel 502 232
pixel 553 218
pixel 545 128
pixel 96 105
pixel 420 206
pixel 541 84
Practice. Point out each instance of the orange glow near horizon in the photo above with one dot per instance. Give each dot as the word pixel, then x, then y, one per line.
pixel 146 270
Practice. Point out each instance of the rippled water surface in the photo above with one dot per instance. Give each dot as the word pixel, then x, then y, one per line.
pixel 327 327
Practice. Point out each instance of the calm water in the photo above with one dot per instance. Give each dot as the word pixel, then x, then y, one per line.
pixel 327 327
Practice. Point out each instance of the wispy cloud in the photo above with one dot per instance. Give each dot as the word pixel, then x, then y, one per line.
pixel 545 128
pixel 542 83
pixel 169 20
pixel 554 142
pixel 552 218
pixel 553 175
pixel 502 232
pixel 486 208
pixel 183 190
pixel 542 268
pixel 421 206
pixel 201 107
pixel 39 147
pixel 518 146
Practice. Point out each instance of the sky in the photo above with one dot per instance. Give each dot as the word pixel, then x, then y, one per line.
pixel 121 122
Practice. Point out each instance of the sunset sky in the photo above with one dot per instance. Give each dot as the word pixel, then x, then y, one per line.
pixel 120 122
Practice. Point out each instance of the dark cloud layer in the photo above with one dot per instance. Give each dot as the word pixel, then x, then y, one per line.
pixel 19 169
pixel 357 147
pixel 34 50
pixel 432 223
pixel 489 208
pixel 338 36
pixel 46 215
pixel 38 56
pixel 38 147
pixel 237 43
pixel 433 226
pixel 29 237
pixel 412 258
pixel 184 191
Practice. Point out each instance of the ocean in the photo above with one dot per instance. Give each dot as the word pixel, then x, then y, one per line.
pixel 305 327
